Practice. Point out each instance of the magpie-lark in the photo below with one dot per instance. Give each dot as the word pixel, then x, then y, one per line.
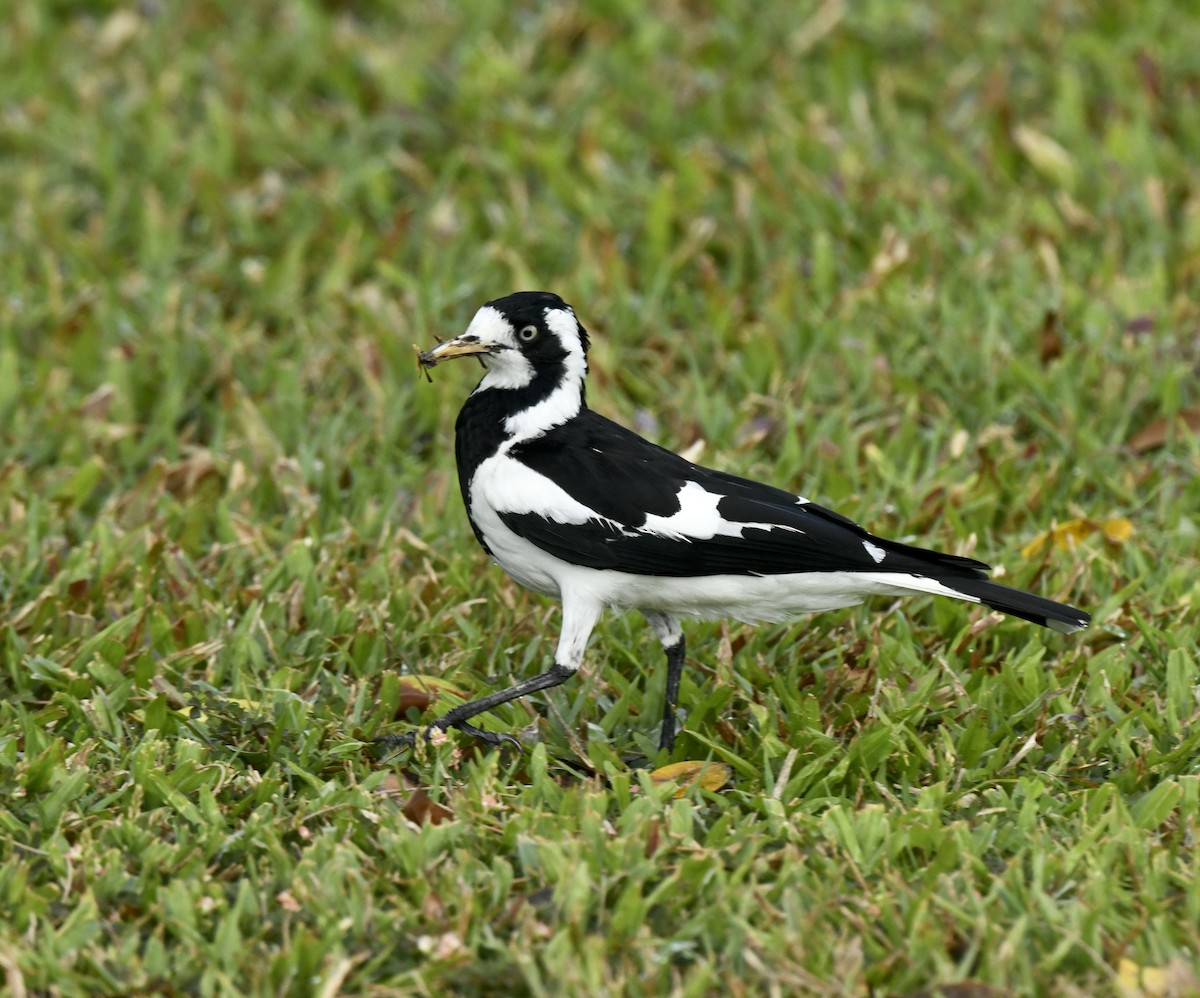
pixel 574 506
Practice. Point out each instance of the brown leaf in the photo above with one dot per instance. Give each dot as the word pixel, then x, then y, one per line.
pixel 420 809
pixel 97 405
pixel 422 692
pixel 1050 345
pixel 726 730
pixel 412 695
pixel 1140 325
pixel 184 477
pixel 1157 433
pixel 1150 75
pixel 394 787
pixel 653 835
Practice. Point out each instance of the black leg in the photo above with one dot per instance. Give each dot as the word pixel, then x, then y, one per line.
pixel 458 717
pixel 670 635
pixel 675 655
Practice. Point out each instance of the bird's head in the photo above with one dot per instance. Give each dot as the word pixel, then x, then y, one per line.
pixel 521 338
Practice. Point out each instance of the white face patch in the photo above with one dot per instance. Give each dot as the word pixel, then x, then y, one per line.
pixel 875 551
pixel 567 399
pixel 699 519
pixel 507 368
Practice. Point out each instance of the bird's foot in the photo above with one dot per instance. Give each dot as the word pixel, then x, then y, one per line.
pixel 406 740
pixel 409 738
pixel 493 738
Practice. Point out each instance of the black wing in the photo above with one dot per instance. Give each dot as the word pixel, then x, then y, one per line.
pixel 750 528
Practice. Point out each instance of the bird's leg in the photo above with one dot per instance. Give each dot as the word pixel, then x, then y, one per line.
pixel 675 655
pixel 459 716
pixel 670 634
pixel 579 616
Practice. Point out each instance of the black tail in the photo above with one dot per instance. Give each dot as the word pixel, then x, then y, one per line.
pixel 1027 606
pixel 963 575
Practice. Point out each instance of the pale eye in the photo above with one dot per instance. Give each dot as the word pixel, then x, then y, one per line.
pixel 528 334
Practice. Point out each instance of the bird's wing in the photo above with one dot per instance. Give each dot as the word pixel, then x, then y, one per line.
pixel 651 512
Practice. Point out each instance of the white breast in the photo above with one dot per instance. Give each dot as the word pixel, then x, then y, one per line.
pixel 501 484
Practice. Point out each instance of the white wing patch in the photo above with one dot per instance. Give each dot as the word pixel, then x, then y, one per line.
pixel 875 551
pixel 698 518
pixel 510 486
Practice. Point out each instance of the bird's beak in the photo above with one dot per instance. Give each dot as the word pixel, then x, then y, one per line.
pixel 467 345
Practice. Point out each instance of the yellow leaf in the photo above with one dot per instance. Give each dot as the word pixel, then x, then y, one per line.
pixel 1034 547
pixel 710 775
pixel 1117 530
pixel 1137 981
pixel 1063 535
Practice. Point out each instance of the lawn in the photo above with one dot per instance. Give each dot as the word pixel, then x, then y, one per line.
pixel 936 266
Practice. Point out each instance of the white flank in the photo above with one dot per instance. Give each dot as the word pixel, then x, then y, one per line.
pixel 745 597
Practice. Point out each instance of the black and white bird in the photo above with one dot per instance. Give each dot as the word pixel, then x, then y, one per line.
pixel 577 507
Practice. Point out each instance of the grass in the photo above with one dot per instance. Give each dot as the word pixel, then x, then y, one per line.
pixel 933 265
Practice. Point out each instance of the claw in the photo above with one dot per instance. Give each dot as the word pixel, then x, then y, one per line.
pixel 493 738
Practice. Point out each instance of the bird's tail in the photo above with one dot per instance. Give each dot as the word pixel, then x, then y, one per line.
pixel 1057 616
pixel 952 575
pixel 972 585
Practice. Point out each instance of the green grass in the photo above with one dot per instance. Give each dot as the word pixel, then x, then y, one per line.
pixel 822 239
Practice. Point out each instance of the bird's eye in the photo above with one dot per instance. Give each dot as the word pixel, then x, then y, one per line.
pixel 528 333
